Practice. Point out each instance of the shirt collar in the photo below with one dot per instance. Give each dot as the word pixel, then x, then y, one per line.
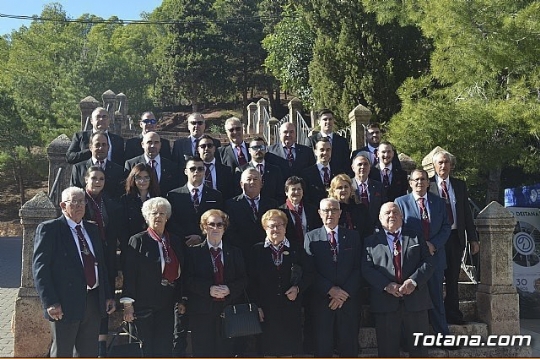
pixel 320 167
pixel 148 159
pixel 191 187
pixel 210 246
pixel 256 199
pixel 255 164
pixel 213 162
pixel 71 223
pixel 328 230
pixel 285 242
pixel 371 148
pixel 416 197
pixel 440 180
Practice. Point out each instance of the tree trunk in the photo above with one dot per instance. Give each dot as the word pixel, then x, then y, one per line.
pixel 493 184
pixel 18 175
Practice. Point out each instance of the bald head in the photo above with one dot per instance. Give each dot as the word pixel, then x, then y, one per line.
pixel 151 144
pixel 287 134
pixel 391 217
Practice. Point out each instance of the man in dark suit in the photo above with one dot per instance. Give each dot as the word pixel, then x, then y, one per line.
pixel 79 151
pixel 319 175
pixel 393 179
pixel 334 293
pixel 397 265
pixel 148 123
pixel 217 175
pixel 341 151
pixel 272 177
pixel 184 148
pixel 425 214
pixel 167 172
pixel 114 174
pixel 71 278
pixel 235 154
pixel 190 201
pixel 245 213
pixel 454 192
pixel 292 157
pixel 368 191
pixel 373 137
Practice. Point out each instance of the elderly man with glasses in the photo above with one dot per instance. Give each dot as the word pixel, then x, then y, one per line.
pixel 148 123
pixel 236 154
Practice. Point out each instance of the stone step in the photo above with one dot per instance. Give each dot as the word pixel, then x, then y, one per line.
pixel 467 290
pixel 468 308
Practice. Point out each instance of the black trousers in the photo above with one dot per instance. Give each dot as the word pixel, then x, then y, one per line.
pixel 207 336
pixel 78 337
pixel 454 251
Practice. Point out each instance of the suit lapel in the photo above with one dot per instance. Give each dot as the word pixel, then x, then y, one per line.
pixel 69 243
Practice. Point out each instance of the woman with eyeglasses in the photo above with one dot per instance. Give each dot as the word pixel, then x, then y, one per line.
pixel 279 273
pixel 215 278
pixel 152 285
pixel 103 211
pixel 353 214
pixel 141 185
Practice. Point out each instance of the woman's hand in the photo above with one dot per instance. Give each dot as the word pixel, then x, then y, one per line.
pixel 292 293
pixel 128 313
pixel 261 315
pixel 219 291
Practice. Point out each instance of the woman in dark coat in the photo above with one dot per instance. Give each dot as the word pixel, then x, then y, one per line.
pixel 103 211
pixel 279 273
pixel 152 286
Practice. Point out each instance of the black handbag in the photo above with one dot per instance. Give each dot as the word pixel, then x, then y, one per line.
pixel 240 320
pixel 131 349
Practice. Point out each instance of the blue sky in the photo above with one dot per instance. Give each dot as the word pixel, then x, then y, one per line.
pixel 124 9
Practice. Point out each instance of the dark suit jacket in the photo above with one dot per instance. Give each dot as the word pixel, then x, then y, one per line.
pixel 315 189
pixel 464 218
pixel 225 181
pixel 228 157
pixel 360 219
pixel 304 158
pixel 377 197
pixel 399 185
pixel 312 218
pixel 183 149
pixel 273 182
pixel 184 220
pixel 200 277
pixel 345 273
pixel 143 273
pixel 439 228
pixel 341 152
pixel 114 177
pixel 58 270
pixel 134 148
pixel 78 149
pixel 378 269
pixel 132 219
pixel 244 230
pixel 396 163
pixel 170 174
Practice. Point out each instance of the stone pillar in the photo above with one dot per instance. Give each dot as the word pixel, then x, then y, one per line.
pixel 427 162
pixel 358 118
pixel 109 103
pixel 295 106
pixel 120 113
pixel 262 104
pixel 496 297
pixel 56 152
pixel 30 329
pixel 273 135
pixel 407 163
pixel 87 105
pixel 251 113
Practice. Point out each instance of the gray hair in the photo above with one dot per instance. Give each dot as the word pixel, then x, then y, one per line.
pixel 70 191
pixel 154 203
pixel 98 110
pixel 447 154
pixel 248 171
pixel 232 120
pixel 196 116
pixel 364 154
pixel 329 200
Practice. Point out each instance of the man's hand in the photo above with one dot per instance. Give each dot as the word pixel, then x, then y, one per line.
pixel 393 289
pixel 431 247
pixel 181 308
pixel 111 306
pixel 219 291
pixel 292 293
pixel 192 240
pixel 338 293
pixel 55 311
pixel 407 287
pixel 474 247
pixel 335 304
pixel 128 312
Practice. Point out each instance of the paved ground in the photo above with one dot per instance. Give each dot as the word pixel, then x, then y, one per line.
pixel 10 280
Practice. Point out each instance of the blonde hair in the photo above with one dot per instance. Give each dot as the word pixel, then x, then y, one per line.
pixel 334 183
pixel 273 213
pixel 214 212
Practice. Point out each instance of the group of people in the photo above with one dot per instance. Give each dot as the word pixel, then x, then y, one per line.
pixel 299 229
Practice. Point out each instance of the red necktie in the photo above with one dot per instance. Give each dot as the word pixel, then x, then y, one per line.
pixel 425 218
pixel 446 197
pixel 88 258
pixel 375 156
pixel 101 164
pixel 397 258
pixel 297 214
pixel 195 199
pixel 218 267
pixel 208 176
pixel 364 195
pixel 253 207
pixel 261 171
pixel 386 177
pixel 153 164
pixel 326 176
pixel 241 158
pixel 333 245
pixel 290 156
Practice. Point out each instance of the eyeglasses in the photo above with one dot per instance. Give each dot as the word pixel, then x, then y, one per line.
pixel 258 148
pixel 416 180
pixel 373 133
pixel 102 116
pixel 275 226
pixel 329 210
pixel 206 145
pixel 215 225
pixel 199 123
pixel 142 179
pixel 235 129
pixel 76 202
pixel 193 169
pixel 150 121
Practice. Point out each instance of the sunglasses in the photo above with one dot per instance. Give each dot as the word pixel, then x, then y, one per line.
pixel 235 129
pixel 199 123
pixel 150 121
pixel 214 225
pixel 258 148
pixel 194 169
pixel 206 145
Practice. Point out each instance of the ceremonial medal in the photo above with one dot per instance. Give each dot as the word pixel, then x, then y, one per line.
pixel 396 252
pixel 85 251
pixel 334 257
